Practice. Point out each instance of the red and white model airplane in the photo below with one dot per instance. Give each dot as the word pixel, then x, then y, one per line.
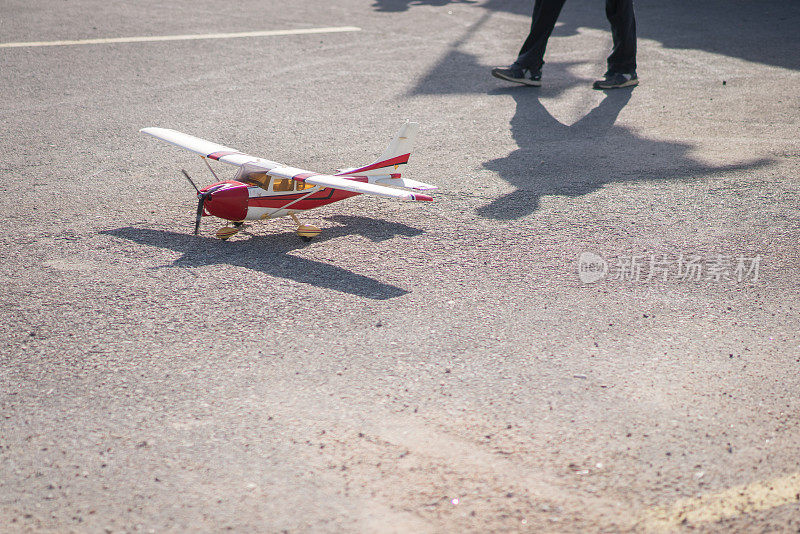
pixel 263 189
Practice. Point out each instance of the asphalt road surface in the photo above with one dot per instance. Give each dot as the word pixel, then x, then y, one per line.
pixel 419 367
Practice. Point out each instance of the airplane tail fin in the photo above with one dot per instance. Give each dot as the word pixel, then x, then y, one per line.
pixel 395 155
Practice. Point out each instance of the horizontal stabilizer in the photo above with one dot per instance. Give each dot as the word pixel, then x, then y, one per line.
pixel 405 182
pixel 364 188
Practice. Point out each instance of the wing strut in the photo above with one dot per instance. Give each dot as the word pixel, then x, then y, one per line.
pixel 205 160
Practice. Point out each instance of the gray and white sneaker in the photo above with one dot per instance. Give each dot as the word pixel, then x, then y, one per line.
pixel 616 80
pixel 517 74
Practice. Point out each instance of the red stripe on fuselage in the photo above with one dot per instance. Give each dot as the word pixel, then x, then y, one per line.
pixel 320 198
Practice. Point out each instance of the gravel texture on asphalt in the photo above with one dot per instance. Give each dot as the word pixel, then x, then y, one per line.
pixel 418 367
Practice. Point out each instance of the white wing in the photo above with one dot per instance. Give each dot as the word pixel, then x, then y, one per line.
pixel 207 149
pixel 336 182
pixel 225 154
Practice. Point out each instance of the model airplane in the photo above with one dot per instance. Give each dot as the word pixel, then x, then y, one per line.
pixel 263 189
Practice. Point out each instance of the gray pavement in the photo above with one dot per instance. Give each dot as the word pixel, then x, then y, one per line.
pixel 419 367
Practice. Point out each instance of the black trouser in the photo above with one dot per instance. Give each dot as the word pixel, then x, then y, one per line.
pixel 623 33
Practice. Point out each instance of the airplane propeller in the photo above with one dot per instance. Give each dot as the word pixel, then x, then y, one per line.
pixel 201 198
pixel 186 174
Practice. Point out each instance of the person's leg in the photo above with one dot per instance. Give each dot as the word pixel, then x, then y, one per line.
pixel 623 32
pixel 545 15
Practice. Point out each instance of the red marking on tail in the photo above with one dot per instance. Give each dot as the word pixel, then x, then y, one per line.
pixel 399 160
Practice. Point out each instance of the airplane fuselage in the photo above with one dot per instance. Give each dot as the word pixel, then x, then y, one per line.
pixel 237 201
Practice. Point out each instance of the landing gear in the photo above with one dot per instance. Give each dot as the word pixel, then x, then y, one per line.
pixel 226 231
pixel 305 231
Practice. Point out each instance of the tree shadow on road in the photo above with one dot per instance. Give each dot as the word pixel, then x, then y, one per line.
pixel 393 6
pixel 763 32
pixel 270 254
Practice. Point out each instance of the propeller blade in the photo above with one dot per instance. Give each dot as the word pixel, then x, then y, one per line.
pixel 201 198
pixel 186 174
pixel 199 214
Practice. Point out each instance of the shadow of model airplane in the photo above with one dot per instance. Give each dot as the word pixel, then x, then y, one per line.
pixel 270 254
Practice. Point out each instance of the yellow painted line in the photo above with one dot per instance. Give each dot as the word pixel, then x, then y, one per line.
pixel 156 38
pixel 733 502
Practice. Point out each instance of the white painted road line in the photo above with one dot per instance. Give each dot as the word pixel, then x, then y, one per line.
pixel 156 38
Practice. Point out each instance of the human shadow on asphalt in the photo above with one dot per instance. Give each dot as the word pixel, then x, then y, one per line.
pixel 554 158
pixel 573 160
pixel 270 253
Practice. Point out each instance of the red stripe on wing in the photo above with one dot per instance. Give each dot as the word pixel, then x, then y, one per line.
pixel 221 154
pixel 302 176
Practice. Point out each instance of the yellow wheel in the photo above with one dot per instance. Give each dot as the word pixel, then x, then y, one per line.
pixel 307 231
pixel 226 232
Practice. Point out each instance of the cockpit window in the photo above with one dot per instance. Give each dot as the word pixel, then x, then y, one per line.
pixel 259 178
pixel 252 174
pixel 282 184
pixel 255 175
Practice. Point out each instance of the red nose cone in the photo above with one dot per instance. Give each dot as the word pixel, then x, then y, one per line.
pixel 229 202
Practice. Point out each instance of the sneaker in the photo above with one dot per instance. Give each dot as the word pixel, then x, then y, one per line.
pixel 517 74
pixel 615 80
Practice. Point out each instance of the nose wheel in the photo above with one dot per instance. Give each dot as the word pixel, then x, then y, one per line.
pixel 305 231
pixel 229 231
